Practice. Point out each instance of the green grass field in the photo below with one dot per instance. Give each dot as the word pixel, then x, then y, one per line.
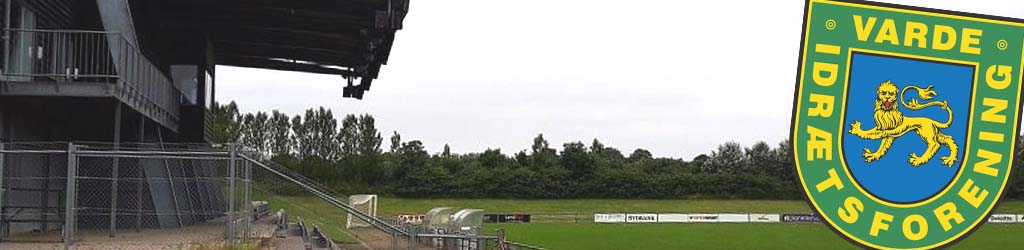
pixel 719 236
pixel 583 234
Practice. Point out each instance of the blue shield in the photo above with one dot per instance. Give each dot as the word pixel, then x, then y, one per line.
pixel 892 177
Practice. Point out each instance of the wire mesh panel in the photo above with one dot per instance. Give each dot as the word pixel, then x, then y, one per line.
pixel 108 195
pixel 32 191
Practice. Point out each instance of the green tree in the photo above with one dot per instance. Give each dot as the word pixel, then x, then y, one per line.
pixel 396 141
pixel 317 153
pixel 699 162
pixel 759 159
pixel 321 131
pixel 542 155
pixel 786 170
pixel 415 174
pixel 348 137
pixel 640 155
pixel 521 158
pixel 226 123
pixel 301 140
pixel 576 159
pixel 368 152
pixel 596 146
pixel 349 158
pixel 493 159
pixel 606 157
pixel 447 152
pixel 369 139
pixel 255 132
pixel 729 158
pixel 280 134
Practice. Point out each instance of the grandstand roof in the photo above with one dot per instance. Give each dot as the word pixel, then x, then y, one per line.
pixel 342 37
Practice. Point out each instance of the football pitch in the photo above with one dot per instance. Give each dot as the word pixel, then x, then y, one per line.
pixel 568 224
pixel 719 236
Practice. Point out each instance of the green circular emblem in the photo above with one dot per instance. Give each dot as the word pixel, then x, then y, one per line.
pixel 904 124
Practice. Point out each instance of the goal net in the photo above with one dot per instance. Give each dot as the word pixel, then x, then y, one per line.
pixel 367 203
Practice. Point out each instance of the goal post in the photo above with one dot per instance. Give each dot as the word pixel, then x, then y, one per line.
pixel 366 203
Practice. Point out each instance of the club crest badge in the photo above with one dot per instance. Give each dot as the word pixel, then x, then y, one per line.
pixel 905 120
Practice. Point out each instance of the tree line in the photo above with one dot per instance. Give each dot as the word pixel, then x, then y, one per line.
pixel 351 158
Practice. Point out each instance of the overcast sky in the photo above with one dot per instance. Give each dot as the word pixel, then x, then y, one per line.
pixel 677 78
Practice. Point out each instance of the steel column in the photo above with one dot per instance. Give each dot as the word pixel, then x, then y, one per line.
pixel 44 203
pixel 142 180
pixel 114 173
pixel 7 35
pixel 248 201
pixel 231 195
pixel 2 190
pixel 71 191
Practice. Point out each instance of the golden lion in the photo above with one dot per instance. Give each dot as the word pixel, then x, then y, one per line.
pixel 890 124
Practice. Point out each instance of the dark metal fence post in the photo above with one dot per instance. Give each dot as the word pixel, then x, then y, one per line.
pixel 114 174
pixel 142 180
pixel 2 190
pixel 70 200
pixel 231 195
pixel 394 241
pixel 7 36
pixel 248 201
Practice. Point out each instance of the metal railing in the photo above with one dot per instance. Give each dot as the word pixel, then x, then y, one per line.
pixel 94 57
pixel 39 55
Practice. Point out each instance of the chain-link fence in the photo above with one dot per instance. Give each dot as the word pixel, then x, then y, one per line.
pixel 102 195
pixel 187 196
pixel 32 195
